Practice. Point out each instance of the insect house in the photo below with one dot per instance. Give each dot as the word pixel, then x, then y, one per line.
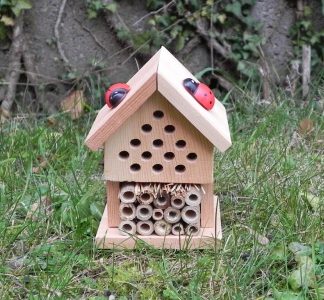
pixel 158 132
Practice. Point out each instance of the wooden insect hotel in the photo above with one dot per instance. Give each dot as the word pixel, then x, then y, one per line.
pixel 158 161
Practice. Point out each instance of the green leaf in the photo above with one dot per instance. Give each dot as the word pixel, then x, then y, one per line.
pixel 299 249
pixel 112 7
pixel 315 202
pixel 279 253
pixel 20 5
pixel 303 277
pixel 234 8
pixel 287 296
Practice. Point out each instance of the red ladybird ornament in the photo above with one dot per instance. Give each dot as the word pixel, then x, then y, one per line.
pixel 116 94
pixel 201 92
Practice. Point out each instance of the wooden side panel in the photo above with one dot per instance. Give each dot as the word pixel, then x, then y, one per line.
pixel 207 207
pixel 113 203
pixel 158 144
pixel 212 124
pixel 143 85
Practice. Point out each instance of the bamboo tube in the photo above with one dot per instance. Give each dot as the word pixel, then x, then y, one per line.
pixel 192 229
pixel 127 211
pixel 162 228
pixel 145 197
pixel 157 214
pixel 162 201
pixel 191 214
pixel 193 197
pixel 127 193
pixel 127 227
pixel 177 201
pixel 145 227
pixel 177 229
pixel 172 215
pixel 144 212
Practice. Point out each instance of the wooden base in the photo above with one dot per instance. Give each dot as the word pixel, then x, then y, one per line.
pixel 109 237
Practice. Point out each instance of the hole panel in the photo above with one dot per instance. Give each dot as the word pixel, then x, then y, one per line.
pixel 123 154
pixel 192 156
pixel 169 129
pixel 135 167
pixel 158 114
pixel 135 142
pixel 146 155
pixel 157 168
pixel 180 168
pixel 158 143
pixel 146 128
pixel 181 144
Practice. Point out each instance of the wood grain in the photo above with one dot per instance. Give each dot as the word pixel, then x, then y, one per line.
pixel 113 203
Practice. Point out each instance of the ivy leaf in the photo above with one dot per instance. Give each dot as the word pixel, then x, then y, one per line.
pixel 20 5
pixel 112 7
pixel 234 8
pixel 7 21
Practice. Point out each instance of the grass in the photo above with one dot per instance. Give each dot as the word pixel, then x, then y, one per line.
pixel 270 184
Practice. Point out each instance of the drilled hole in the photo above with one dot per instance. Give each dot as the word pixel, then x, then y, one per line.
pixel 135 142
pixel 147 128
pixel 192 156
pixel 127 227
pixel 181 144
pixel 123 154
pixel 158 143
pixel 146 155
pixel 180 168
pixel 135 167
pixel 158 114
pixel 169 128
pixel 169 155
pixel 127 211
pixel 193 197
pixel 128 195
pixel 191 214
pixel 157 168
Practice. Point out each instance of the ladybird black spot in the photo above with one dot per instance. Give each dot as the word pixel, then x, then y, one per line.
pixel 210 102
pixel 205 95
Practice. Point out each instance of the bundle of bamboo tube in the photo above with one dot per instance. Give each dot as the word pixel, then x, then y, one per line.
pixel 160 208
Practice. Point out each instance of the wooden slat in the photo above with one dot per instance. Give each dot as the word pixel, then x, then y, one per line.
pixel 108 238
pixel 142 86
pixel 212 124
pixel 196 171
pixel 113 203
pixel 207 207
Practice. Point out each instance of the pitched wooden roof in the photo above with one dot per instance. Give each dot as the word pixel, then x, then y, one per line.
pixel 163 73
